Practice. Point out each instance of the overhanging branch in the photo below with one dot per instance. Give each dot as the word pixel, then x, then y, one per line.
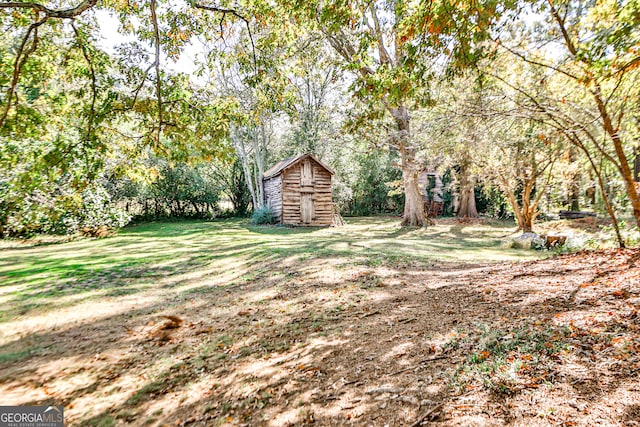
pixel 51 13
pixel 227 11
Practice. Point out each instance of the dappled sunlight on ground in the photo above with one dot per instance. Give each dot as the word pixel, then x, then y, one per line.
pixel 220 323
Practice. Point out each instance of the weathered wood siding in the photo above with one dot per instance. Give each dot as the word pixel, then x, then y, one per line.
pixel 306 194
pixel 273 195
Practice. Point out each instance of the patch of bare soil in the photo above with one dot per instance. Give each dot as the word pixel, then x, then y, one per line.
pixel 351 342
pixel 587 224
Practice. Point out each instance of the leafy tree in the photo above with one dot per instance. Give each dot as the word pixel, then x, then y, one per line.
pixel 521 165
pixel 455 134
pixel 314 75
pixel 485 132
pixel 588 53
pixel 394 47
pixel 374 190
pixel 247 67
pixel 231 178
pixel 68 106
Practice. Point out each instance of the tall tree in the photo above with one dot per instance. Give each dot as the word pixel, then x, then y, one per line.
pixel 248 67
pixel 457 130
pixel 589 53
pixel 394 47
pixel 313 74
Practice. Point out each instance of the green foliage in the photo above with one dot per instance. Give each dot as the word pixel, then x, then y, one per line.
pixel 179 191
pixel 373 187
pixel 234 185
pixel 447 191
pixel 263 216
pixel 97 210
pixel 59 210
pixel 75 107
pixel 491 202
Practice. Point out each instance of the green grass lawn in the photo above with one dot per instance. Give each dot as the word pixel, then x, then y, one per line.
pixel 275 325
pixel 38 277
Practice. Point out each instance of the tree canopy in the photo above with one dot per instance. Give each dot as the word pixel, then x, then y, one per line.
pixel 340 79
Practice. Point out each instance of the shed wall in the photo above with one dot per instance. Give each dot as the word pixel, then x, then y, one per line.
pixel 273 195
pixel 316 192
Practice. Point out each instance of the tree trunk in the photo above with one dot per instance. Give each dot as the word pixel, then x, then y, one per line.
pixel 526 212
pixel 591 191
pixel 252 161
pixel 605 199
pixel 573 194
pixel 260 141
pixel 517 211
pixel 527 221
pixel 414 213
pixel 624 167
pixel 636 165
pixel 467 207
pixel 237 138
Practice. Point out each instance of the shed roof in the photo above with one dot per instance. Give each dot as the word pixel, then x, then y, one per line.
pixel 279 167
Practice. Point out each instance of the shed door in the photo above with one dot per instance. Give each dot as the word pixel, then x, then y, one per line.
pixel 306 176
pixel 306 208
pixel 306 192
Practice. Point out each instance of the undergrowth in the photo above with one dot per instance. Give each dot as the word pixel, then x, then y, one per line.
pixel 505 361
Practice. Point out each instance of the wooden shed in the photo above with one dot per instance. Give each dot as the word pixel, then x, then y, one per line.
pixel 298 190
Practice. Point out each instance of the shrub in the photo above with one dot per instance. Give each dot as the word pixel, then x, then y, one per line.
pixel 99 213
pixel 263 215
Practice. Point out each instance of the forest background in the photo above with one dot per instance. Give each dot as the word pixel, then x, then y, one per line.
pixel 522 108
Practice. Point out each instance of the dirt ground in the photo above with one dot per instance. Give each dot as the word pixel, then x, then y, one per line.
pixel 322 341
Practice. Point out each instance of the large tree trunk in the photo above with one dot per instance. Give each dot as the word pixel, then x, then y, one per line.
pixel 414 213
pixel 467 207
pixel 524 217
pixel 527 221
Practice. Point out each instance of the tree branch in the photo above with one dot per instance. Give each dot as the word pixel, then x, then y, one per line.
pixel 385 59
pixel 94 84
pixel 156 32
pixel 51 13
pixel 539 64
pixel 546 112
pixel 563 29
pixel 225 12
pixel 19 63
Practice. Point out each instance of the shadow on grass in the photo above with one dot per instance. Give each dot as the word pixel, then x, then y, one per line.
pixel 292 356
pixel 63 277
pixel 42 278
pixel 292 352
pixel 280 230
